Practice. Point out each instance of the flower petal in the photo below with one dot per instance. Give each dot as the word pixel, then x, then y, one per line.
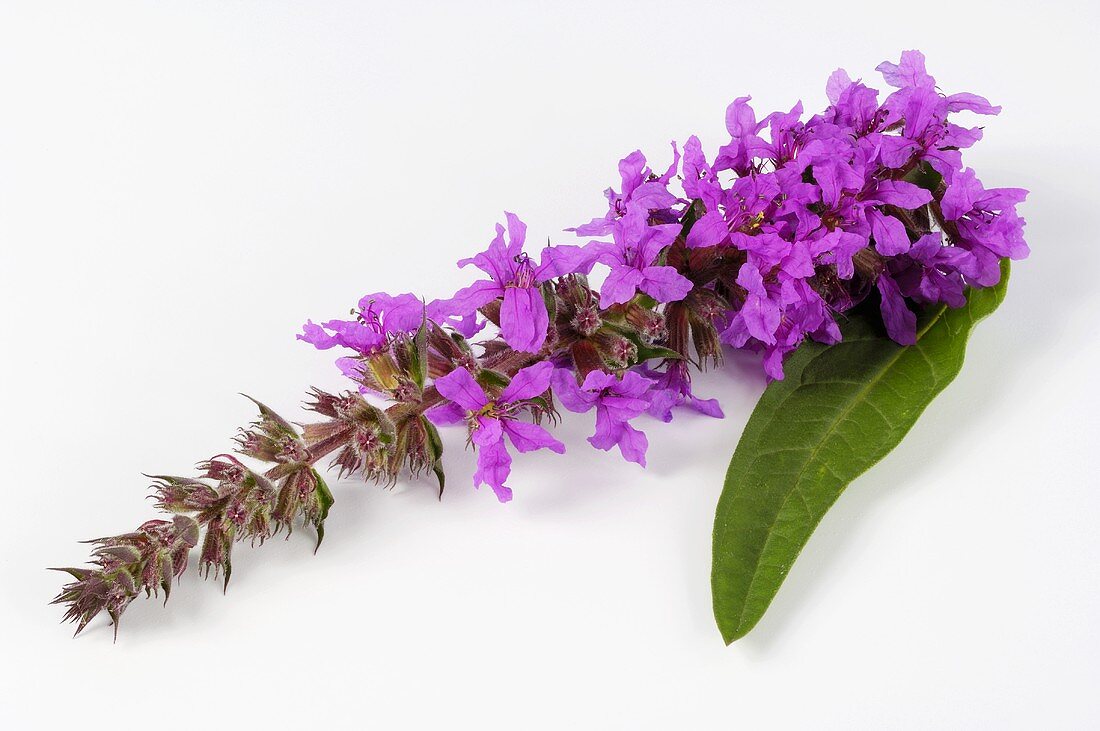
pixel 316 336
pixel 632 443
pixel 494 464
pixel 901 194
pixel 524 319
pixel 665 284
pixel 468 299
pixel 528 383
pixel 710 230
pixel 527 437
pixel 901 323
pixel 517 234
pixel 570 394
pixel 620 286
pixel 563 259
pixel 890 236
pixel 459 386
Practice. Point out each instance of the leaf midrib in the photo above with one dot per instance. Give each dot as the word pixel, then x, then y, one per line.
pixel 817 448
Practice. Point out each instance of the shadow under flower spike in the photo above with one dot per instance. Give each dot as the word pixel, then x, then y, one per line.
pixel 852 250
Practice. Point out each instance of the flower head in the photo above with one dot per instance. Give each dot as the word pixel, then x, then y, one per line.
pixel 379 317
pixel 490 419
pixel 632 260
pixel 743 128
pixel 673 388
pixel 514 278
pixel 984 223
pixel 642 191
pixel 616 400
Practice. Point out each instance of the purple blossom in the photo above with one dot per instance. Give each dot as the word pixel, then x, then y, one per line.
pixel 616 400
pixel 987 225
pixel 926 132
pixel 854 106
pixel 700 179
pixel 710 229
pixel 794 222
pixel 777 317
pixel 517 280
pixel 787 134
pixel 643 190
pixel 632 259
pixel 490 420
pixel 752 204
pixel 743 128
pixel 759 316
pixel 933 272
pixel 672 389
pixel 841 246
pixel 380 316
pixel 816 214
pixel 900 321
pixel 908 73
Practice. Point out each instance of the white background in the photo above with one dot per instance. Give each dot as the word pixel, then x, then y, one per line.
pixel 182 184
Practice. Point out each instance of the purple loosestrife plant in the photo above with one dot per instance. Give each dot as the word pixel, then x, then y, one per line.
pixel 797 222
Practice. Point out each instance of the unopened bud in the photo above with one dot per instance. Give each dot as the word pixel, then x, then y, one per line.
pixel 587 320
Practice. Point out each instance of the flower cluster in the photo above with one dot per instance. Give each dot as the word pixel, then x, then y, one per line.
pixel 792 222
pixel 227 503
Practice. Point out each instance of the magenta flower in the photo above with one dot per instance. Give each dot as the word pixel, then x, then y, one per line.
pixel 932 273
pixel 616 400
pixel 778 315
pixel 841 246
pixel 743 128
pixel 889 232
pixel 926 132
pixel 787 134
pixel 987 225
pixel 380 316
pixel 854 106
pixel 672 389
pixel 632 259
pixel 489 420
pixel 756 204
pixel 900 321
pixel 513 277
pixel 782 232
pixel 759 316
pixel 643 190
pixel 910 74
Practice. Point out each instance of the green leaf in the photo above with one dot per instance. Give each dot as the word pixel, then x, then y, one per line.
pixel 325 500
pixel 924 176
pixel 492 380
pixel 418 360
pixel 838 411
pixel 548 298
pixel 646 351
pixel 649 352
pixel 435 444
